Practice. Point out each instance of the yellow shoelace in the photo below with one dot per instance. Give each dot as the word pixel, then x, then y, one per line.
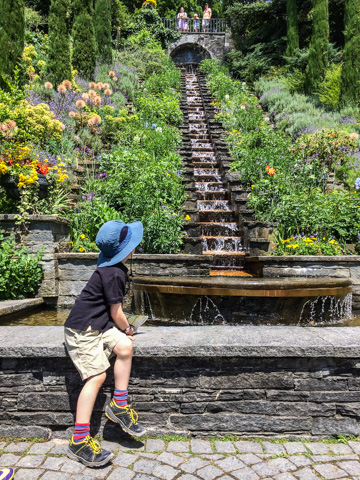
pixel 133 415
pixel 94 445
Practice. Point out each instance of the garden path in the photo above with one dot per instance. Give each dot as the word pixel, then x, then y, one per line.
pixel 195 459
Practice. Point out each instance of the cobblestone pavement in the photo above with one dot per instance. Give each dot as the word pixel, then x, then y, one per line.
pixel 193 459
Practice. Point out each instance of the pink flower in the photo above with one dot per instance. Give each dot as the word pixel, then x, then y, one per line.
pixel 95 120
pixel 115 79
pixel 61 88
pixel 99 86
pixel 111 74
pixel 108 92
pixel 92 85
pixel 85 97
pixel 106 85
pixel 48 85
pixel 72 114
pixel 67 84
pixel 80 104
pixel 354 136
pixel 92 94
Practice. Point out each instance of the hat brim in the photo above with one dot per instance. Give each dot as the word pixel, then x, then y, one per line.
pixel 137 230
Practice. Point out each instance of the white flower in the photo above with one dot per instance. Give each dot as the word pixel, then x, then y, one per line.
pixel 227 98
pixel 267 119
pixel 136 139
pixel 242 107
pixel 159 129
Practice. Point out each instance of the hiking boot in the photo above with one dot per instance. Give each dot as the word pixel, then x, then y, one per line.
pixel 89 452
pixel 126 417
pixel 6 473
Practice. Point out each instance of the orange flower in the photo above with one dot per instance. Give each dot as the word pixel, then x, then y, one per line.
pixel 267 168
pixel 271 171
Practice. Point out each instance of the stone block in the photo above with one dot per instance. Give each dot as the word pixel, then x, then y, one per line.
pixel 241 423
pixel 335 426
pixel 248 381
pixel 23 431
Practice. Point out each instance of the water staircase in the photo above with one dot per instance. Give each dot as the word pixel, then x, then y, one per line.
pixel 215 227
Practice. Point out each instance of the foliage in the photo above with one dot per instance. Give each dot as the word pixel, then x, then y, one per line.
pixel 33 19
pixel 84 42
pixel 288 180
pixel 59 63
pixel 329 89
pixel 298 114
pixel 12 30
pixel 102 24
pixel 26 121
pixel 292 28
pixel 21 273
pixel 149 20
pixel 307 245
pixel 318 51
pixel 350 80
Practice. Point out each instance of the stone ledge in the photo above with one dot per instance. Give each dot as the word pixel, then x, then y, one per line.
pixel 37 218
pixel 12 306
pixel 305 258
pixel 202 341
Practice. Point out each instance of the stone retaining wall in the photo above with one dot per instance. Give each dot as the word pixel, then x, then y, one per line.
pixel 250 381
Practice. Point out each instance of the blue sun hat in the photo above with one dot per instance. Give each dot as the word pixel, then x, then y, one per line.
pixel 6 473
pixel 116 240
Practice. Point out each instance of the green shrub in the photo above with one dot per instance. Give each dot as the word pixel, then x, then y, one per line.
pixel 21 273
pixel 330 88
pixel 159 107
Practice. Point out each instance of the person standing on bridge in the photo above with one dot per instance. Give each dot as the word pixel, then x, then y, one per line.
pixel 182 20
pixel 196 23
pixel 206 18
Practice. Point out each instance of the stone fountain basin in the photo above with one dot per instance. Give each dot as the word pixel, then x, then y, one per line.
pixel 244 287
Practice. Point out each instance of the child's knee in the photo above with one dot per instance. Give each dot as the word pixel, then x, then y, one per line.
pixel 124 348
pixel 98 379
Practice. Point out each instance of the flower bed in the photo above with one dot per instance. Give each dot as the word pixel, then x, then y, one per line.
pixel 289 178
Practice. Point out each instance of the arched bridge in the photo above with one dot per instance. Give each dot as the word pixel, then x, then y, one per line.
pixel 196 46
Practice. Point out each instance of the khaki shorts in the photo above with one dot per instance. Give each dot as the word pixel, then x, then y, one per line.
pixel 91 350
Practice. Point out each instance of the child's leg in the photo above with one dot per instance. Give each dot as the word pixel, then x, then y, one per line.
pixel 87 397
pixel 118 410
pixel 123 351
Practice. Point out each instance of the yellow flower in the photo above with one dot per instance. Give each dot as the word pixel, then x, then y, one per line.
pixel 81 249
pixel 82 236
pixel 187 218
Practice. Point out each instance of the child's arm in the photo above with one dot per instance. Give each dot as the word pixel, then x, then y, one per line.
pixel 120 319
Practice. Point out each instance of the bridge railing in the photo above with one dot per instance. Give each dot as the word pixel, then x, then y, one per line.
pixel 217 25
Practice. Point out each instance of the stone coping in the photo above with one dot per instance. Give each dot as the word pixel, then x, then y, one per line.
pixel 202 341
pixel 305 258
pixel 189 257
pixel 11 306
pixel 37 218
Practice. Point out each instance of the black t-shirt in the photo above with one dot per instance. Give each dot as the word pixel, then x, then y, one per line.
pixel 92 307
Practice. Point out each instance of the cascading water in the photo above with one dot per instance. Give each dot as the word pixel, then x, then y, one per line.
pixel 218 227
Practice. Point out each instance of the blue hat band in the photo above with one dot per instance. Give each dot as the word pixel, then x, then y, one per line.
pixel 122 245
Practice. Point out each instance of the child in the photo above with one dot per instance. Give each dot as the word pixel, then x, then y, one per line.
pixel 96 330
pixel 196 23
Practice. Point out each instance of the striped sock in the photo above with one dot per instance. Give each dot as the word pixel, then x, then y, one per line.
pixel 120 397
pixel 82 430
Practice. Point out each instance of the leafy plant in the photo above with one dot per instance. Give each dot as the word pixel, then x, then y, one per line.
pixel 21 273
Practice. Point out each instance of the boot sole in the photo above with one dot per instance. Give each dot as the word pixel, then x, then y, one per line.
pixel 110 415
pixel 106 460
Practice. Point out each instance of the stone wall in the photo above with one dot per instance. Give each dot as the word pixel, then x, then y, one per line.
pixel 217 45
pixel 47 232
pixel 311 266
pixel 264 381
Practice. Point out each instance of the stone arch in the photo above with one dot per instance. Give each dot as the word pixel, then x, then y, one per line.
pixel 206 46
pixel 189 52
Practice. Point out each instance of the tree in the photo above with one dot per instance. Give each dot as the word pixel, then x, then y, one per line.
pixel 319 45
pixel 59 63
pixel 12 31
pixel 350 78
pixel 103 29
pixel 84 41
pixel 292 28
